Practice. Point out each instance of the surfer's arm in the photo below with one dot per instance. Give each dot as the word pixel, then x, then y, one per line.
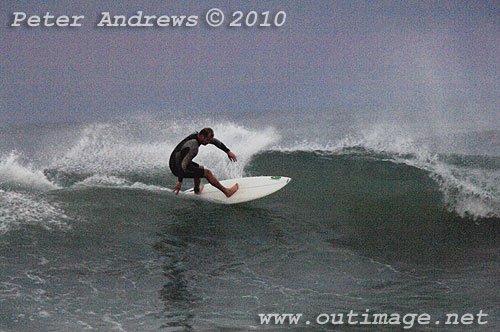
pixel 224 148
pixel 219 144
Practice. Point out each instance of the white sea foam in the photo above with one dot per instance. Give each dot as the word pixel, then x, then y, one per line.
pixel 468 191
pixel 146 147
pixel 244 142
pixel 110 181
pixel 14 174
pixel 17 209
pixel 103 181
pixel 20 199
pixel 107 148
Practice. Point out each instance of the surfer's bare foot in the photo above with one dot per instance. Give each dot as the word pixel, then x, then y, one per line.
pixel 231 190
pixel 198 191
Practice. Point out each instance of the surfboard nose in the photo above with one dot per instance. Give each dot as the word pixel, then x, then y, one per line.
pixel 287 179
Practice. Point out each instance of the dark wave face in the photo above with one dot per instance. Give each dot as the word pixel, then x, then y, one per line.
pixel 92 236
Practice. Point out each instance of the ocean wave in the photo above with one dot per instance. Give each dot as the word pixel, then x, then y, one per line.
pixel 109 181
pixel 470 190
pixel 15 175
pixel 135 155
pixel 125 148
pixel 103 181
pixel 18 209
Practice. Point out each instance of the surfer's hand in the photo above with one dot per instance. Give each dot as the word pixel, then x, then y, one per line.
pixel 231 156
pixel 177 187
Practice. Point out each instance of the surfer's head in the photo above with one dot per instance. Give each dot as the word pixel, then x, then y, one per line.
pixel 205 136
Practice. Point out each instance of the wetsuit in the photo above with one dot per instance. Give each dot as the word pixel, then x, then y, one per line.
pixel 181 160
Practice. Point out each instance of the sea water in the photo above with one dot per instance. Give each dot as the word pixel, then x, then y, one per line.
pixel 374 221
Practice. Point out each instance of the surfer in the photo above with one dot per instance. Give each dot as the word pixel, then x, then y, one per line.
pixel 182 165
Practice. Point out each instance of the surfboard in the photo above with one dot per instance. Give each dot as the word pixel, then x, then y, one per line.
pixel 250 188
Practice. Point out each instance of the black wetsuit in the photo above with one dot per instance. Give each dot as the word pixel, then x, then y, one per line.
pixel 181 160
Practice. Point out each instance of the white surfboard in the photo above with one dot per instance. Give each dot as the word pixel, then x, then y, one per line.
pixel 250 188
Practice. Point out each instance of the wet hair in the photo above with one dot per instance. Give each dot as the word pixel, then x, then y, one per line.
pixel 207 132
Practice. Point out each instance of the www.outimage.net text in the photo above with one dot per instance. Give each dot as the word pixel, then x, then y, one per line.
pixel 407 320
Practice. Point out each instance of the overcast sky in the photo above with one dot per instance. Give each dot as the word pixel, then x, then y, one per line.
pixel 410 60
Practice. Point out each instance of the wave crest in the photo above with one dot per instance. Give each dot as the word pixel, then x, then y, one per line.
pixel 469 190
pixel 131 148
pixel 13 174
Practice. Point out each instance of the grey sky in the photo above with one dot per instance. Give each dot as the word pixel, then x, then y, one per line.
pixel 373 60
